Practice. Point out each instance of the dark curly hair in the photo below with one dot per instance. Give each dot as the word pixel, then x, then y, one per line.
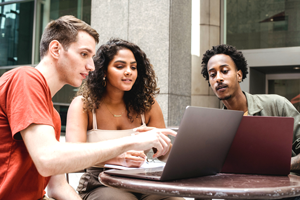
pixel 236 56
pixel 141 96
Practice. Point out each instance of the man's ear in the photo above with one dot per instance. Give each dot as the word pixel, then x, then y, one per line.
pixel 239 75
pixel 54 49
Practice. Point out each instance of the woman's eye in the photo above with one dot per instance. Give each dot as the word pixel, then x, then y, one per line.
pixel 225 71
pixel 84 54
pixel 133 67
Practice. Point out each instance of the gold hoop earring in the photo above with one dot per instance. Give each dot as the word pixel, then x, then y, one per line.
pixel 104 82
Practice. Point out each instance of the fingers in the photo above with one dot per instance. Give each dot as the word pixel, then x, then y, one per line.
pixel 134 158
pixel 137 154
pixel 152 139
pixel 133 161
pixel 167 131
pixel 164 145
pixel 166 141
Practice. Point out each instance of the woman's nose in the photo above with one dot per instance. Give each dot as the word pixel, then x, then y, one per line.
pixel 127 71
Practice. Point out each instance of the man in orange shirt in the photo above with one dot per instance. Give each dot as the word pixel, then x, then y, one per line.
pixel 30 155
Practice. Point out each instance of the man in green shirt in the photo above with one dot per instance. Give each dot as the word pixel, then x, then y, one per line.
pixel 225 68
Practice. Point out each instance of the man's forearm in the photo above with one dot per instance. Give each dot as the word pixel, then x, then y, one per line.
pixel 52 157
pixel 71 157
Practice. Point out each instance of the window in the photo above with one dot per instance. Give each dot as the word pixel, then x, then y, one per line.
pixel 256 24
pixel 21 28
pixel 16 26
pixel 287 85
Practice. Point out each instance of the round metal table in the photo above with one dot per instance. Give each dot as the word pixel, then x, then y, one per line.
pixel 220 186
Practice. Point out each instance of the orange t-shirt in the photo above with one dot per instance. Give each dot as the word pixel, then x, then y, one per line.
pixel 25 99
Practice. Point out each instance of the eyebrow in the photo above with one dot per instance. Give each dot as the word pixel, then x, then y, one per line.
pixel 121 61
pixel 88 50
pixel 223 65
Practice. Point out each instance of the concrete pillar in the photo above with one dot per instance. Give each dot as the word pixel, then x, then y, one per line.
pixel 163 30
pixel 205 34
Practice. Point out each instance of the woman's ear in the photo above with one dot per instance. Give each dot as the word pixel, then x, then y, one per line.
pixel 54 49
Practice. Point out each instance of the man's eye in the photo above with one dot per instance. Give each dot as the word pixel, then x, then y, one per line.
pixel 212 75
pixel 225 71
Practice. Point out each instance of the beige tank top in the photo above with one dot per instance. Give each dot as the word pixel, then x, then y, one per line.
pixel 97 135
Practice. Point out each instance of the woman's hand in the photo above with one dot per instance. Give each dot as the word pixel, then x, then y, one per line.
pixel 131 159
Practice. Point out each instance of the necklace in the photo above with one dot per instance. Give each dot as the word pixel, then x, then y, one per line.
pixel 114 114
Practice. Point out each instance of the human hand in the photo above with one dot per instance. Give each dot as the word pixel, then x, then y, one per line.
pixel 165 131
pixel 152 139
pixel 132 159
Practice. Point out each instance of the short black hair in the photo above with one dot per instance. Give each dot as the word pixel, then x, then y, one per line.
pixel 237 57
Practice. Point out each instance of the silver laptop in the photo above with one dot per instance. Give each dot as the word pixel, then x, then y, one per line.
pixel 200 147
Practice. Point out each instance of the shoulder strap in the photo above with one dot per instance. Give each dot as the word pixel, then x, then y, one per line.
pixel 94 120
pixel 143 119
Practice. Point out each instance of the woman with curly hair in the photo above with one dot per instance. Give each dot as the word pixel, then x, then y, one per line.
pixel 114 99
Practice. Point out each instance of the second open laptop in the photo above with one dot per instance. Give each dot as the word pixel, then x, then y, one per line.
pixel 262 145
pixel 200 147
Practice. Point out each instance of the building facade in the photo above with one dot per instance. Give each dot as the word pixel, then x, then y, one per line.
pixel 267 32
pixel 174 34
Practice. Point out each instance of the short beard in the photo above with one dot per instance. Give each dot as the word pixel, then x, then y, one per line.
pixel 225 98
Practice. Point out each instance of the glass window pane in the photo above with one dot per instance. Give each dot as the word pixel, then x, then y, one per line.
pixel 65 95
pixel 2 71
pixel 53 9
pixel 2 1
pixel 255 24
pixel 78 8
pixel 62 110
pixel 289 88
pixel 16 25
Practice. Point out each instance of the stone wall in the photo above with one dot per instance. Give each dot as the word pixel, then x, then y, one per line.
pixel 163 30
pixel 205 34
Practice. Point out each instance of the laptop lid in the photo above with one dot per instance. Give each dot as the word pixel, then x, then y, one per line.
pixel 200 147
pixel 262 145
